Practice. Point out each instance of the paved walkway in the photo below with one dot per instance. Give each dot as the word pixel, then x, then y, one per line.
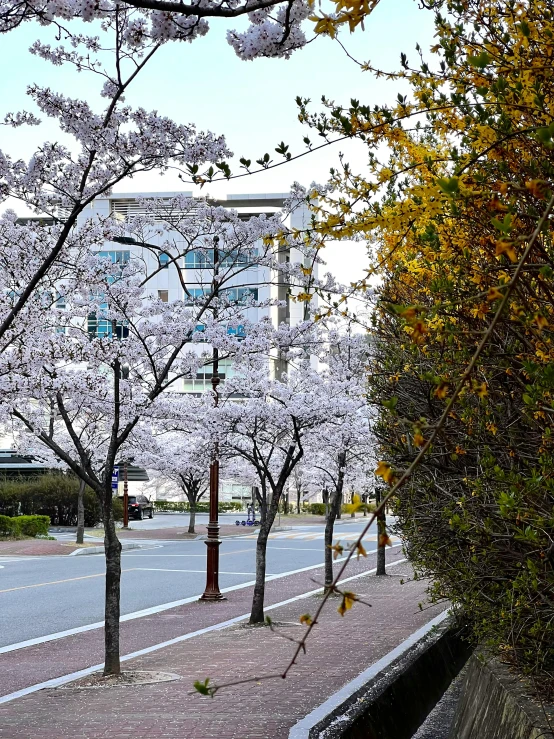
pixel 338 651
pixel 36 547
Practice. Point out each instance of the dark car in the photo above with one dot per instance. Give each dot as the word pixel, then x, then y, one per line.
pixel 139 506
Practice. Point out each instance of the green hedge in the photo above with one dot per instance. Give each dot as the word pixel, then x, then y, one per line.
pixel 24 526
pixel 202 507
pixel 317 509
pixel 51 494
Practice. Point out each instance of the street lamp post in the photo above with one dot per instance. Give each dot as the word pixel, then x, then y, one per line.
pixel 213 541
pixel 125 497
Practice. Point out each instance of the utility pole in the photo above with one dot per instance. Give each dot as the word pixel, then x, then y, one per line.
pixel 213 541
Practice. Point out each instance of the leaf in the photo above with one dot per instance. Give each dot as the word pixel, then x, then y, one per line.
pixel 480 60
pixel 385 471
pixel 449 186
pixel 391 403
pixel 338 549
pixel 442 391
pixel 384 540
pixel 204 688
pixel 348 600
pixel 481 390
pixel 306 619
pixel 360 551
pixel 505 246
pixel 540 321
pixel 504 225
pixel 418 438
pixel 494 294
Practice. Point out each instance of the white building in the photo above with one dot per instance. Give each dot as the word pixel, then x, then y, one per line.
pixel 166 283
pixel 264 284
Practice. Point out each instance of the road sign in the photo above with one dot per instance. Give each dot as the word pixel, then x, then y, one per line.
pixel 115 478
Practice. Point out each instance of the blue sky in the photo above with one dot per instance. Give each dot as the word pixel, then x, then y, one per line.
pixel 252 103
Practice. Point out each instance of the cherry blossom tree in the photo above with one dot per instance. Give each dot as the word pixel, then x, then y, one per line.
pixel 340 454
pixel 86 378
pixel 180 457
pixel 269 424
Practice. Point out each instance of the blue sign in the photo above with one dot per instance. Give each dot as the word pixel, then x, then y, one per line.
pixel 115 478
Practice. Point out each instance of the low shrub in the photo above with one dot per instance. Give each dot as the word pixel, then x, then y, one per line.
pixel 7 526
pixel 117 507
pixel 52 494
pixel 317 509
pixel 33 525
pixel 16 526
pixel 183 506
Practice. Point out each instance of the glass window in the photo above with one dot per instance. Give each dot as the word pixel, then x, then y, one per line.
pixel 163 295
pixel 199 259
pixel 163 259
pixel 117 256
pixel 241 294
pixel 195 294
pixel 100 328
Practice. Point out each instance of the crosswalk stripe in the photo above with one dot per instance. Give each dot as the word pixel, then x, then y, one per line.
pixel 281 536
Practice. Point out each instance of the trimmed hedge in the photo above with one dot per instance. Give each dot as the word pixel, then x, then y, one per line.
pixel 51 494
pixel 24 526
pixel 317 509
pixel 183 506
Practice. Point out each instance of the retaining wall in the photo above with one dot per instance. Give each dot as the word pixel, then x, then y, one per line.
pixel 494 705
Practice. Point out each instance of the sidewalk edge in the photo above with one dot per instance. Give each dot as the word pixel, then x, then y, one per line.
pixel 303 729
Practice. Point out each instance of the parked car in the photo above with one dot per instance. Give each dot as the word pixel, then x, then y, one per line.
pixel 139 506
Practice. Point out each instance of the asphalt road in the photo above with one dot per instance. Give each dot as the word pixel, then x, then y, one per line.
pixel 45 595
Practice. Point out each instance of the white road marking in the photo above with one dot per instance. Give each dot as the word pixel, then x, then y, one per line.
pixel 160 569
pixel 57 681
pixel 304 536
pixel 150 611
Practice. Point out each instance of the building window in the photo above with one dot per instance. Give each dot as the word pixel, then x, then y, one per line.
pixel 116 256
pixel 241 294
pixel 101 328
pixel 163 260
pixel 204 258
pixel 163 295
pixel 195 293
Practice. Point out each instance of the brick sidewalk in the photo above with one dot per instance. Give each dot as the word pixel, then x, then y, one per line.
pixel 339 650
pixel 178 534
pixel 36 547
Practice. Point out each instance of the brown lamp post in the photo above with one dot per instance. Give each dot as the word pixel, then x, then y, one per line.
pixel 213 542
pixel 125 497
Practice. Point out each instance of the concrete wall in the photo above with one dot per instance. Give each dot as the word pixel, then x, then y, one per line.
pixel 396 702
pixel 494 705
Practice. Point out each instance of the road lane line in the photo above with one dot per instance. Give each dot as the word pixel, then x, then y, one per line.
pixel 58 582
pixel 57 681
pixel 156 609
pixel 222 554
pixel 161 569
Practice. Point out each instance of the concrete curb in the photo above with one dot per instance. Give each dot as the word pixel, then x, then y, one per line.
pixel 394 695
pixel 100 550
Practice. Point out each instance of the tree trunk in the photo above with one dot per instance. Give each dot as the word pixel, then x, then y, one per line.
pixel 339 509
pixel 81 513
pixel 112 547
pixel 331 516
pixel 257 613
pixel 298 496
pixel 192 517
pixel 381 531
